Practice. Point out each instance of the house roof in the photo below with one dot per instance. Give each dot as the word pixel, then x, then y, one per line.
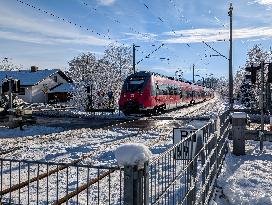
pixel 63 88
pixel 28 78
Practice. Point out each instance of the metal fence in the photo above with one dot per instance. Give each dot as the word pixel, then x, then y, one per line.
pixel 33 182
pixel 184 174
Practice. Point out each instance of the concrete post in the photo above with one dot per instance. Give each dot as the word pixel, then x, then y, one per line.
pixel 238 129
pixel 136 185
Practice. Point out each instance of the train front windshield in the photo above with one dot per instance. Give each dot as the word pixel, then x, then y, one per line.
pixel 134 84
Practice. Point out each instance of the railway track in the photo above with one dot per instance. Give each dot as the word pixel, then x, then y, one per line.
pixel 19 143
pixel 22 143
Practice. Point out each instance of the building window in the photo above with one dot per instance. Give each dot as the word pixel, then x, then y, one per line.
pixel 55 78
pixel 22 91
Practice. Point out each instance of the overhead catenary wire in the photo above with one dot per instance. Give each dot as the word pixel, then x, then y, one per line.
pixel 173 30
pixel 220 54
pixel 150 53
pixel 180 13
pixel 69 22
pixel 118 22
pixel 130 28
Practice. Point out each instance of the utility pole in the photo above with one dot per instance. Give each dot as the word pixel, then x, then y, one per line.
pixel 262 102
pixel 230 60
pixel 10 93
pixel 193 73
pixel 133 56
pixel 133 53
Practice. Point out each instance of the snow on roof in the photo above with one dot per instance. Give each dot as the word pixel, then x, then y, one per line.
pixel 63 88
pixel 130 154
pixel 26 76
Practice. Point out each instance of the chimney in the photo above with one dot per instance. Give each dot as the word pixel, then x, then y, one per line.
pixel 34 68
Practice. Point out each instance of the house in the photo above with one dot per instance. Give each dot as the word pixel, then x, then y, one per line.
pixel 36 84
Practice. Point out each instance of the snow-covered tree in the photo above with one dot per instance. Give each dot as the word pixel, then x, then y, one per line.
pixel 117 63
pixel 249 94
pixel 222 87
pixel 7 65
pixel 82 70
pixel 102 75
pixel 242 88
pixel 256 55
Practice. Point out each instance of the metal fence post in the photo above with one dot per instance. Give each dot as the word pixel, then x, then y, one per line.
pixel 238 129
pixel 136 189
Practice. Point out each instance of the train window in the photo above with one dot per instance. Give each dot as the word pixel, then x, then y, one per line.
pixel 135 84
pixel 183 94
pixel 163 90
pixel 170 89
pixel 175 90
pixel 136 81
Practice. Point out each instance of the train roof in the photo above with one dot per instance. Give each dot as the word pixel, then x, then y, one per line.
pixel 144 73
pixel 187 83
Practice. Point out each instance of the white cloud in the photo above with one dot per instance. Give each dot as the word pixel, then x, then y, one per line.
pixel 141 36
pixel 264 2
pixel 267 3
pixel 212 35
pixel 25 28
pixel 106 2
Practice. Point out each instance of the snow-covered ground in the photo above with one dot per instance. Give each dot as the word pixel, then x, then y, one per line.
pixel 247 179
pixel 28 131
pixel 98 145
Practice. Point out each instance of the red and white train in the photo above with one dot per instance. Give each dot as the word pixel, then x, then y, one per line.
pixel 146 92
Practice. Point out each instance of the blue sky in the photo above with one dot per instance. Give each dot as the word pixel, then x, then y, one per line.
pixel 32 37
